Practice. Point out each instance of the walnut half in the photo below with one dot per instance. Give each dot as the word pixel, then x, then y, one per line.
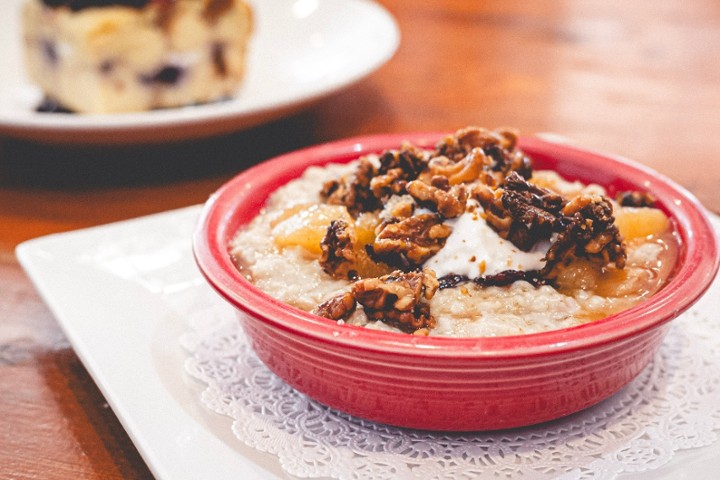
pixel 520 212
pixel 439 197
pixel 588 231
pixel 398 299
pixel 338 250
pixel 408 243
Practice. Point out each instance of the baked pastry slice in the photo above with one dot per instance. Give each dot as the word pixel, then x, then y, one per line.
pixel 105 56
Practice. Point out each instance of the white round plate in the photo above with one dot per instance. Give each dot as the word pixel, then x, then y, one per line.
pixel 301 51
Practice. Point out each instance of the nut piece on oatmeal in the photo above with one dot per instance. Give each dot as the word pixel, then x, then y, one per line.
pixel 520 212
pixel 408 243
pixel 439 197
pixel 499 145
pixel 589 231
pixel 409 159
pixel 465 170
pixel 397 299
pixel 397 168
pixel 354 192
pixel 337 307
pixel 338 250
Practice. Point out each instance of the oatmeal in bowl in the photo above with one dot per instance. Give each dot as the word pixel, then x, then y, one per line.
pixel 464 239
pixel 466 281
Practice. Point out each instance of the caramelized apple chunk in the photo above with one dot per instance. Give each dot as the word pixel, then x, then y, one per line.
pixel 306 226
pixel 639 222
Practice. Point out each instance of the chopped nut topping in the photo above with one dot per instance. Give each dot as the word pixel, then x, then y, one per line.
pixel 466 170
pixel 409 159
pixel 520 212
pixel 448 202
pixel 397 208
pixel 355 193
pixel 635 199
pixel 391 183
pixel 403 210
pixel 499 145
pixel 337 307
pixel 460 144
pixel 396 299
pixel 408 243
pixel 485 165
pixel 589 231
pixel 338 253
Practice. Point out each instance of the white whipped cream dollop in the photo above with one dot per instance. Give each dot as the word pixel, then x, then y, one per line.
pixel 474 249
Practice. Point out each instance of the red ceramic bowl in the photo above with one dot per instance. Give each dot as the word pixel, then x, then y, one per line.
pixel 447 383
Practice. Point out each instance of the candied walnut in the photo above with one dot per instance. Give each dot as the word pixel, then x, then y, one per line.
pixel 397 299
pixel 441 182
pixel 462 142
pixel 439 197
pixel 410 242
pixel 409 159
pixel 391 183
pixel 338 250
pixel 521 212
pixel 397 167
pixel 495 213
pixel 337 307
pixel 505 162
pixel 466 170
pixel 588 231
pixel 499 146
pixel 412 321
pixel 633 198
pixel 355 193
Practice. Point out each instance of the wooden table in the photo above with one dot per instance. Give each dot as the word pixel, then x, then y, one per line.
pixel 632 78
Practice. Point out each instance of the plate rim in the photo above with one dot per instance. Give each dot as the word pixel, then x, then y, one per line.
pixel 213 463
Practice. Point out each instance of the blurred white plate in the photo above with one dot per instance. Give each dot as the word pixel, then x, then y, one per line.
pixel 301 51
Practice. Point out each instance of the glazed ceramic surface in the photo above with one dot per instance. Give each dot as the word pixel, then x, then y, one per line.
pixel 447 383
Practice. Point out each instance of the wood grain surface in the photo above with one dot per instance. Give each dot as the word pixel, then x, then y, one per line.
pixel 639 79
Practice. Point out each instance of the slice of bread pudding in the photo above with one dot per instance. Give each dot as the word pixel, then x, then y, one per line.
pixel 107 56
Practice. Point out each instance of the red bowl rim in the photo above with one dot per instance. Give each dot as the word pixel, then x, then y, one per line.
pixel 697 264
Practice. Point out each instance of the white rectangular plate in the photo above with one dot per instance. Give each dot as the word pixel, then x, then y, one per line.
pixel 109 286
